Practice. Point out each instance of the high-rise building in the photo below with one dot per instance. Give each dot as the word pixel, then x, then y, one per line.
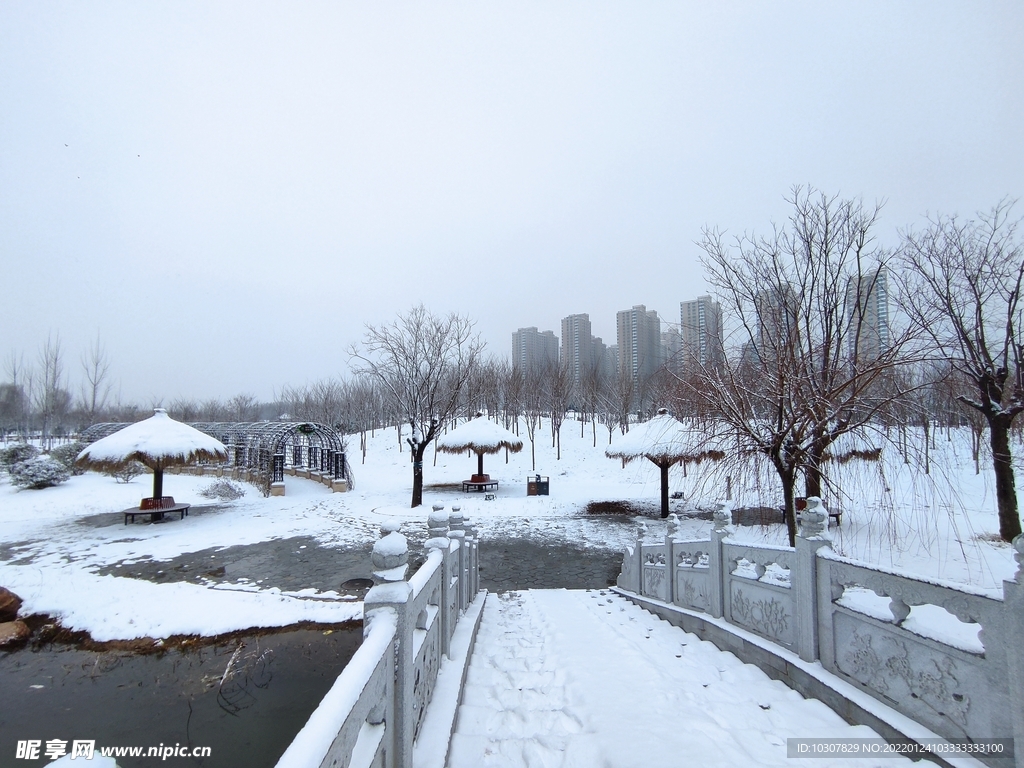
pixel 672 349
pixel 533 351
pixel 606 359
pixel 700 329
pixel 577 345
pixel 777 317
pixel 638 333
pixel 867 302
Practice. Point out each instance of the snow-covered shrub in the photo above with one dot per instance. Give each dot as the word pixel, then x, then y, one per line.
pixel 126 472
pixel 223 490
pixel 16 454
pixel 66 455
pixel 40 472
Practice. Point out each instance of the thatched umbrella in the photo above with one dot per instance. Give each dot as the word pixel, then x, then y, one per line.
pixel 158 442
pixel 664 441
pixel 481 436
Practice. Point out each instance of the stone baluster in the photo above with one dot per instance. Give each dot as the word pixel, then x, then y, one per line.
pixel 473 538
pixel 1013 628
pixel 437 538
pixel 721 527
pixel 457 532
pixel 392 593
pixel 811 536
pixel 671 531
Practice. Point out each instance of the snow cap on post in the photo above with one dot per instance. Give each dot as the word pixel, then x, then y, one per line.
pixel 455 519
pixel 437 528
pixel 812 520
pixel 390 556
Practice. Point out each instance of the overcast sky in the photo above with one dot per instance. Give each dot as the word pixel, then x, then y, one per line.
pixel 226 192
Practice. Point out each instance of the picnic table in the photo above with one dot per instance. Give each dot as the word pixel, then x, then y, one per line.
pixel 156 509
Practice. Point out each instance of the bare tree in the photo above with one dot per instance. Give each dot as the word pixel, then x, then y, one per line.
pixel 515 385
pixel 422 362
pixel 967 277
pixel 52 398
pixel 97 386
pixel 533 408
pixel 13 397
pixel 811 357
pixel 243 407
pixel 560 391
pixel 184 409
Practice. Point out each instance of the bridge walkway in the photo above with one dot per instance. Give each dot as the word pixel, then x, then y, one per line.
pixel 586 679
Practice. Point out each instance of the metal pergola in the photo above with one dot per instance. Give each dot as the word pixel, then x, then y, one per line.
pixel 265 447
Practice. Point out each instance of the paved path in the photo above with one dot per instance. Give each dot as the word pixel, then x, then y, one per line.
pixel 588 679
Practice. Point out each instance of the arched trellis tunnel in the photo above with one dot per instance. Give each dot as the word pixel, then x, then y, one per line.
pixel 263 452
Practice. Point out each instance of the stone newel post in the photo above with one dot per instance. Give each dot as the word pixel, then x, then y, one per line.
pixel 457 533
pixel 721 527
pixel 437 538
pixel 671 531
pixel 391 592
pixel 1013 599
pixel 811 536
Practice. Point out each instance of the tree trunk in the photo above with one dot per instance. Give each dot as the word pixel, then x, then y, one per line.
pixel 788 478
pixel 417 475
pixel 1006 493
pixel 812 467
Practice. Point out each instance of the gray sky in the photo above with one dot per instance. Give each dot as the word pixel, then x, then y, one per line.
pixel 226 193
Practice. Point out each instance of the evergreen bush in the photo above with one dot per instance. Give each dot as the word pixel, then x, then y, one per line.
pixel 66 455
pixel 39 472
pixel 16 454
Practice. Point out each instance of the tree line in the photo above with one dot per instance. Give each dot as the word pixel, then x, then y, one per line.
pixel 808 360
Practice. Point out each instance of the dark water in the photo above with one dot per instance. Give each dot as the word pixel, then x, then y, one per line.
pixel 247 718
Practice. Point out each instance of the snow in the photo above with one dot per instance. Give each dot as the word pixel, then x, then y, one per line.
pixel 481 435
pixel 587 678
pixel 939 529
pixel 661 438
pixel 392 545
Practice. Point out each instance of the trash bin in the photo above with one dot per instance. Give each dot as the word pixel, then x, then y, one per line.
pixel 537 486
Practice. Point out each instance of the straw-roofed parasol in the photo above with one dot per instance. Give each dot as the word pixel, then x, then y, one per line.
pixel 158 442
pixel 664 441
pixel 481 436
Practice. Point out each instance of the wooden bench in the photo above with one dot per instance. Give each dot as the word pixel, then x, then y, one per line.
pixel 468 486
pixel 156 509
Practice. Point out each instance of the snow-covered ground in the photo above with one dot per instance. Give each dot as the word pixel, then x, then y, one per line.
pixel 939 526
pixel 588 679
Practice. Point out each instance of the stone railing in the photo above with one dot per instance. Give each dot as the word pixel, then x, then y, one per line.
pixel 373 714
pixel 949 657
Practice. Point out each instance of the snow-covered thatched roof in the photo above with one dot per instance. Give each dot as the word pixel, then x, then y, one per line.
pixel 664 439
pixel 854 445
pixel 157 442
pixel 480 435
